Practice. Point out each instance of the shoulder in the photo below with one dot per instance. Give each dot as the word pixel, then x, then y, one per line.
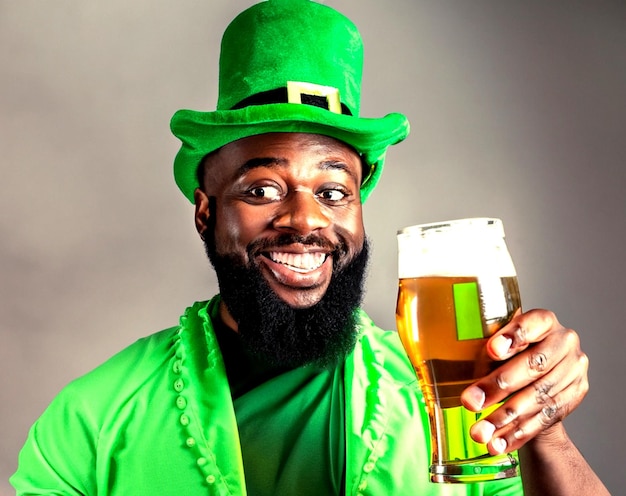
pixel 121 375
pixel 121 416
pixel 141 369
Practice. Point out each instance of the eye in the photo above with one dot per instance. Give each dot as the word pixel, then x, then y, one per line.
pixel 333 195
pixel 265 193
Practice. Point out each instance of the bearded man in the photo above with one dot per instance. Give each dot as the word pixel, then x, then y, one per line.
pixel 281 384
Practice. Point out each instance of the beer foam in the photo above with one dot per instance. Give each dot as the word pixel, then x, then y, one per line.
pixel 464 248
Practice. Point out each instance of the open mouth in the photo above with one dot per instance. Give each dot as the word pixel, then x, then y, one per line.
pixel 299 262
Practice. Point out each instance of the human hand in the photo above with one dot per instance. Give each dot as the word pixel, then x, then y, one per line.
pixel 543 379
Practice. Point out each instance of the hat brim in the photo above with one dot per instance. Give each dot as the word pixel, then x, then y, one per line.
pixel 204 132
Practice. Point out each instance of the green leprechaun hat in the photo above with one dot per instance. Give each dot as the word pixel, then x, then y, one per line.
pixel 287 66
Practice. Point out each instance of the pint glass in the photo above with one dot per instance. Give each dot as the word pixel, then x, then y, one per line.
pixel 457 287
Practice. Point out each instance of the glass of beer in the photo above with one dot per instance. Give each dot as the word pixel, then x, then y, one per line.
pixel 457 287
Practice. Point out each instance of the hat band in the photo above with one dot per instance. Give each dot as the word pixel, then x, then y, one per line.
pixel 281 95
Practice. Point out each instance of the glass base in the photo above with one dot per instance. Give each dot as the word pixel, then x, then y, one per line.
pixel 481 469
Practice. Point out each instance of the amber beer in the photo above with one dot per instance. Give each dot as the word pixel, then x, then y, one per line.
pixel 457 286
pixel 428 313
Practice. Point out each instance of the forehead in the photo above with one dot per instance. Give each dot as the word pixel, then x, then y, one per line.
pixel 295 151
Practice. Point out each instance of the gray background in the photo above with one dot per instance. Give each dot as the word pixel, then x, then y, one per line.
pixel 518 110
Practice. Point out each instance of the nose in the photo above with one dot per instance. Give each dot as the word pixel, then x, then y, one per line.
pixel 302 213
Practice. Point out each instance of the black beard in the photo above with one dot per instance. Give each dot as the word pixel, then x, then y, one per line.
pixel 279 334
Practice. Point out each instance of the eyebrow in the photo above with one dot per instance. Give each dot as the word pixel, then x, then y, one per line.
pixel 275 162
pixel 254 163
pixel 340 166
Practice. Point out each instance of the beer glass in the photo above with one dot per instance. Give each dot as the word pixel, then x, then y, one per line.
pixel 457 287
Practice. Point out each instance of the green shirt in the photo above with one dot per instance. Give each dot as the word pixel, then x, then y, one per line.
pixel 310 400
pixel 158 418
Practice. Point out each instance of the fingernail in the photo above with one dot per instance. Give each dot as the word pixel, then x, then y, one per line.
pixel 501 345
pixel 482 431
pixel 476 397
pixel 499 444
pixel 486 430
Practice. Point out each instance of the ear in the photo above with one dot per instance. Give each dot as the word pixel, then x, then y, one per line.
pixel 202 210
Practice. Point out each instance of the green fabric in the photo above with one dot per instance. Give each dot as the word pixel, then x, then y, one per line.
pixel 158 418
pixel 267 398
pixel 265 48
pixel 311 403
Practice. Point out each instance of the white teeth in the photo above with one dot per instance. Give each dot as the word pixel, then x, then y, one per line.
pixel 300 262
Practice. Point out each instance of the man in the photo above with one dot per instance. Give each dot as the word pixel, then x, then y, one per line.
pixel 281 385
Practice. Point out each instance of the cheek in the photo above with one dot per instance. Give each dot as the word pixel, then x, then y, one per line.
pixel 350 227
pixel 235 229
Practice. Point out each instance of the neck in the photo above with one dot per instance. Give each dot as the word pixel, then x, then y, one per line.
pixel 227 318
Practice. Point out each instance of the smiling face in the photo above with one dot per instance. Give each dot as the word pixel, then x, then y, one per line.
pixel 287 203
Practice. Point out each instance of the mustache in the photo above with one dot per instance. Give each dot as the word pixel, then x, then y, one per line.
pixel 336 250
pixel 313 240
